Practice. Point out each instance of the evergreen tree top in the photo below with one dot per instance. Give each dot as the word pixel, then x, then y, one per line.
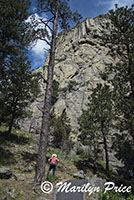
pixel 65 16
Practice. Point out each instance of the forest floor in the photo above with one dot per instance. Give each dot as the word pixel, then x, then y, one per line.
pixel 19 152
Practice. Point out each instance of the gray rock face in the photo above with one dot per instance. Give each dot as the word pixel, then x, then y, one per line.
pixel 80 55
pixel 5 173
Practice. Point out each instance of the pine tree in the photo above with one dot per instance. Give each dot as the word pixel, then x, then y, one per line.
pixel 59 12
pixel 16 80
pixel 61 130
pixel 121 75
pixel 18 89
pixel 96 122
pixel 123 81
pixel 13 14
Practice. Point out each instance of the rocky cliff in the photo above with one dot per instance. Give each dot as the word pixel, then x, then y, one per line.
pixel 81 54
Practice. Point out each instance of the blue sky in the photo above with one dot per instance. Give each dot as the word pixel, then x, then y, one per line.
pixel 87 8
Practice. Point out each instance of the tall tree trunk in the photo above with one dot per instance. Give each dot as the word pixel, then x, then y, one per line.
pixel 3 55
pixel 105 146
pixel 15 99
pixel 11 124
pixel 41 159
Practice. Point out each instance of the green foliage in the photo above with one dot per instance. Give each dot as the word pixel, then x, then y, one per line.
pixel 56 9
pixel 100 108
pixel 96 122
pixel 80 151
pixel 66 15
pixel 55 90
pixel 122 19
pixel 65 18
pixel 19 87
pixel 52 178
pixel 123 146
pixel 18 137
pixel 114 196
pixel 61 131
pixel 121 78
pixel 102 164
pixel 13 13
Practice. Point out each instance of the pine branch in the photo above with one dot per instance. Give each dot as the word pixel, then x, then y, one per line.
pixel 43 39
pixel 46 23
pixel 44 80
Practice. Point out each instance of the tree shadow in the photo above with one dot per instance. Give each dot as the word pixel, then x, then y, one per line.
pixel 16 139
pixel 121 178
pixel 29 157
pixel 6 141
pixel 97 169
pixel 6 157
pixel 89 164
pixel 125 153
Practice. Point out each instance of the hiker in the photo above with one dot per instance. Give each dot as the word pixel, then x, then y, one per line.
pixel 53 161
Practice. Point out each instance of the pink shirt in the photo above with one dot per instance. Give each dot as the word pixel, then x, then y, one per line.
pixel 53 160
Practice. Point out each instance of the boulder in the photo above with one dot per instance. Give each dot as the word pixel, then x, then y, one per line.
pixel 20 177
pixel 5 173
pixel 3 198
pixel 79 174
pixel 97 181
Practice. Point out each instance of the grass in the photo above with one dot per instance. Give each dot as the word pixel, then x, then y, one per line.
pixel 115 196
pixel 19 152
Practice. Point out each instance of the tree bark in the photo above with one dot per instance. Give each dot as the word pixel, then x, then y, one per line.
pixel 105 146
pixel 41 159
pixel 15 99
pixel 11 124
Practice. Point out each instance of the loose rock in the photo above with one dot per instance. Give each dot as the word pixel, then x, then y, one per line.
pixel 5 173
pixel 79 174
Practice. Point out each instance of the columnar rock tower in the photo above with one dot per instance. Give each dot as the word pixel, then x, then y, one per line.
pixel 81 54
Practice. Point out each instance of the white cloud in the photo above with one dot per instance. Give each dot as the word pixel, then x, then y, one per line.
pixel 103 3
pixel 37 60
pixel 39 48
pixel 121 3
pixel 110 4
pixel 39 53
